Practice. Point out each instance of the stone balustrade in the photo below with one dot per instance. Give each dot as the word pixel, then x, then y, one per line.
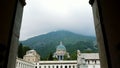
pixel 20 63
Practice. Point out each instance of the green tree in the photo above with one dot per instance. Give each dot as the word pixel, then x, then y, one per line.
pixel 25 48
pixel 66 57
pixel 50 57
pixel 88 51
pixel 20 51
pixel 55 58
pixel 73 55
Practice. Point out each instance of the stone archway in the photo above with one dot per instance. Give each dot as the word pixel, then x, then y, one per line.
pixel 106 16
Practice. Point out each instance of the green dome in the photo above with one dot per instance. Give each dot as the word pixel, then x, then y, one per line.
pixel 61 47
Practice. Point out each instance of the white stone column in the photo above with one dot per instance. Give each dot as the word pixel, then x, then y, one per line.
pixel 63 66
pixel 59 66
pixel 54 66
pixel 71 66
pixel 50 66
pixel 42 66
pixel 38 66
pixel 63 57
pixel 67 66
pixel 98 61
pixel 75 66
pixel 46 66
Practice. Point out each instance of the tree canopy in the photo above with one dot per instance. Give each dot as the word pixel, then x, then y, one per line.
pixel 22 50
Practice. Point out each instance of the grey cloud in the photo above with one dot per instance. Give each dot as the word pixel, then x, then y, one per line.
pixel 40 18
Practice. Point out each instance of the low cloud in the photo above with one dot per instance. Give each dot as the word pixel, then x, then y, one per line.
pixel 43 16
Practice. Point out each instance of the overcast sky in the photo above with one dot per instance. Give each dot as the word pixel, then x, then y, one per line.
pixel 43 16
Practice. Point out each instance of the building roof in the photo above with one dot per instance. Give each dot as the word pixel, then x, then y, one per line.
pixel 61 47
pixel 29 55
pixel 90 55
pixel 31 51
pixel 22 60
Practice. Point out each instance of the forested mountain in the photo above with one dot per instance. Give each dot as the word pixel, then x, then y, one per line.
pixel 47 43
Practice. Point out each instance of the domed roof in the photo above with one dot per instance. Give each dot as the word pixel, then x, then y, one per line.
pixel 32 51
pixel 61 47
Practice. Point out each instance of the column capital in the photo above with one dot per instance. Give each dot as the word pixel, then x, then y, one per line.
pixel 91 2
pixel 23 2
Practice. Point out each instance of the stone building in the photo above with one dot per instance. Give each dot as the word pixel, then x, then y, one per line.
pixel 20 63
pixel 31 56
pixel 56 64
pixel 61 52
pixel 84 60
pixel 88 60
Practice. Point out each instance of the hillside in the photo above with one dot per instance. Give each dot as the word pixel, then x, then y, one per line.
pixel 45 44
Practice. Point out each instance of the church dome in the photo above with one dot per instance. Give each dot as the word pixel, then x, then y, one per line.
pixel 61 47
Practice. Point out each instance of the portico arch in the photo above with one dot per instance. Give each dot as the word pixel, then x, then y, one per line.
pixel 65 66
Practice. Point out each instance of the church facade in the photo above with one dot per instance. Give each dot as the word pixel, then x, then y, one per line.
pixel 61 52
pixel 31 56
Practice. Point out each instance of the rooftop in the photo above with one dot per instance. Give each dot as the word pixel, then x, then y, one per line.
pixel 90 55
pixel 61 47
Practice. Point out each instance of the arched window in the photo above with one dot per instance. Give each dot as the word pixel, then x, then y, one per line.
pixel 65 66
pixel 48 66
pixel 44 66
pixel 73 66
pixel 69 66
pixel 56 66
pixel 88 62
pixel 95 61
pixel 53 66
pixel 61 66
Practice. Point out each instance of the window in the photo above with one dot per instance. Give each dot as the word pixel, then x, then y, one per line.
pixel 48 66
pixel 69 66
pixel 73 66
pixel 44 66
pixel 52 66
pixel 56 66
pixel 65 66
pixel 60 66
